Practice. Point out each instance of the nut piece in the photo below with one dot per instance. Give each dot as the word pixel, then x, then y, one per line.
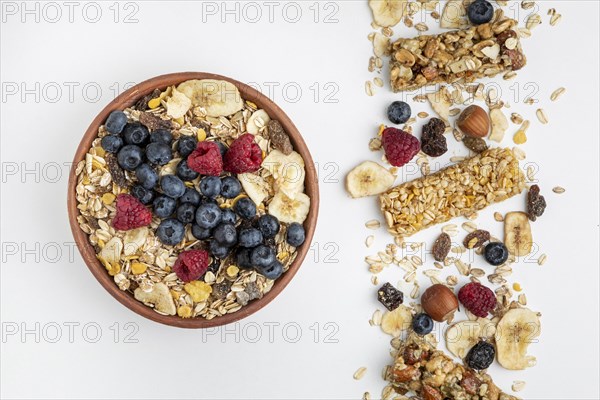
pixel 474 121
pixel 439 302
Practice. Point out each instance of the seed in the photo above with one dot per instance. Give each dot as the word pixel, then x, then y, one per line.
pixel 422 114
pixel 509 75
pixel 498 217
pixel 415 291
pixel 469 226
pixel 516 118
pixel 376 318
pixel 373 224
pixel 526 5
pixel 557 93
pixel 542 259
pixel 541 115
pixel 378 81
pixel 360 373
pixel 533 21
pixel 369 88
pixel 523 299
pixel 518 386
pixel 558 189
pixel 421 27
pixel 457 159
pixel 366 396
pixel 375 280
pixel 369 240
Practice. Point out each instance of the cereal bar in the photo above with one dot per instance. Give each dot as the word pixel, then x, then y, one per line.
pixel 464 55
pixel 458 190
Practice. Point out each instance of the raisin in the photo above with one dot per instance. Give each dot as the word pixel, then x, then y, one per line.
pixel 280 139
pixel 142 104
pixel 116 172
pixel 536 203
pixel 476 239
pixel 441 247
pixel 481 355
pixel 475 144
pixel 153 122
pixel 390 297
pixel 433 142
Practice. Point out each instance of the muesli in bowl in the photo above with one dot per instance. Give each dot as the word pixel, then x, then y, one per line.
pixel 195 199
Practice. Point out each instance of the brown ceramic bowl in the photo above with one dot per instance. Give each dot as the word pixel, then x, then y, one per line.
pixel 88 253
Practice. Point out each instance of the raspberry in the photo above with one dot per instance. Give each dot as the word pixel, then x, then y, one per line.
pixel 206 159
pixel 243 155
pixel 477 298
pixel 191 265
pixel 400 147
pixel 131 213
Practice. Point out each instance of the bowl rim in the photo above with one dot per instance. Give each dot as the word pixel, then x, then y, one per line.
pixel 128 98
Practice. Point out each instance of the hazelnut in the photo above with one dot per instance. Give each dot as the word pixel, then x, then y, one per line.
pixel 474 121
pixel 439 302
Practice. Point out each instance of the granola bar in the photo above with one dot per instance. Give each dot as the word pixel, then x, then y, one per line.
pixel 464 55
pixel 458 190
pixel 422 369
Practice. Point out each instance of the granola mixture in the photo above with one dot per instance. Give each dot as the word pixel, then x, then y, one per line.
pixel 137 258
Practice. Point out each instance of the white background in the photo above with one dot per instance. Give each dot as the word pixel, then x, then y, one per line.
pixel 53 288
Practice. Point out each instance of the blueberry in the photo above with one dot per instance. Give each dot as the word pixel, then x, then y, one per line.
pixel 495 253
pixel 186 213
pixel 201 233
pixel 273 271
pixel 222 148
pixel 115 122
pixel 268 225
pixel 161 136
pixel 159 153
pixel 135 133
pixel 172 186
pixel 190 196
pixel 245 208
pixel 208 215
pixel 480 12
pixel 242 258
pixel 170 232
pixel 185 172
pixel 249 237
pixel 422 324
pixel 229 216
pixel 295 235
pixel 230 187
pixel 130 157
pixel 142 194
pixel 186 144
pixel 263 256
pixel 481 355
pixel 218 250
pixel 111 143
pixel 225 234
pixel 398 112
pixel 164 206
pixel 210 186
pixel 146 176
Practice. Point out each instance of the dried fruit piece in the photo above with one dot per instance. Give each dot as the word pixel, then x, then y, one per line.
pixel 397 321
pixel 499 124
pixel 116 172
pixel 159 297
pixel 433 142
pixel 244 155
pixel 441 247
pixel 400 147
pixel 367 179
pixel 516 330
pixel 478 299
pixel 290 210
pixel 198 290
pixel 154 122
pixel 255 187
pixel 134 239
pixel 475 144
pixel 206 159
pixel 454 15
pixel 279 138
pixel 441 102
pixel 257 121
pixel 191 265
pixel 463 335
pixel 389 296
pixel 288 171
pixel 536 203
pixel 217 97
pixel 476 239
pixel 520 137
pixel 517 234
pixel 178 104
pixel 388 12
pixel 131 213
pixel 481 356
